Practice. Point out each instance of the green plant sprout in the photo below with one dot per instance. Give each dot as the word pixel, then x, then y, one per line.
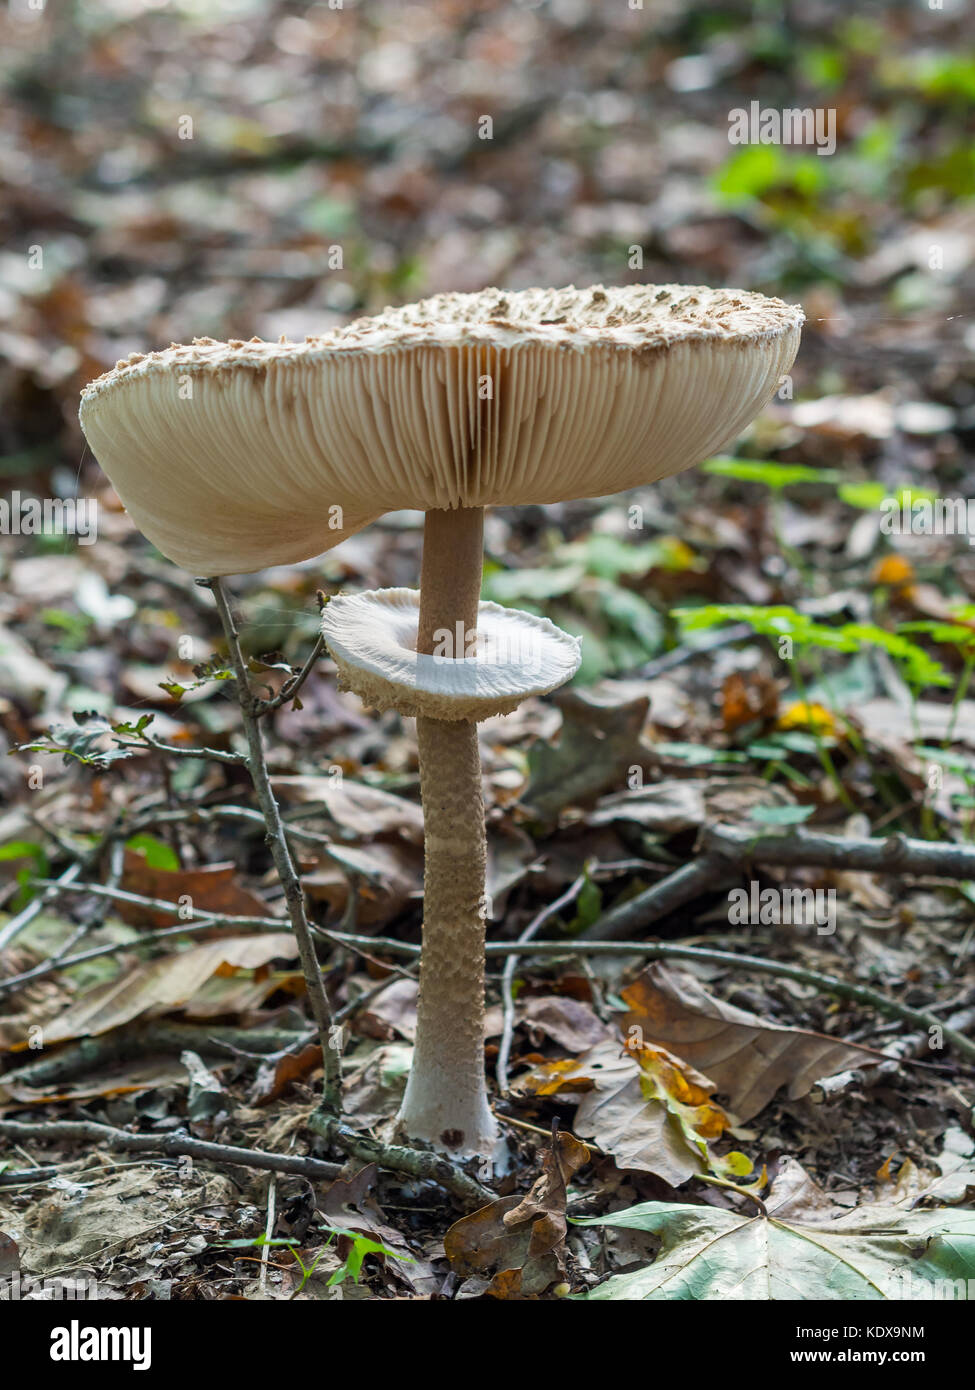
pixel 350 1268
pixel 798 635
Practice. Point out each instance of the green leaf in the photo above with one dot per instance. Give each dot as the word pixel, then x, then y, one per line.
pixel 361 1247
pixel 918 668
pixel 78 742
pixel 962 763
pixel 945 631
pixel 158 854
pixel 628 613
pixel 869 496
pixel 787 741
pixel 774 621
pixel 25 849
pixel 134 730
pixel 710 1253
pixel 608 556
pixel 249 1242
pixel 589 904
pixel 757 169
pixel 945 75
pixel 773 475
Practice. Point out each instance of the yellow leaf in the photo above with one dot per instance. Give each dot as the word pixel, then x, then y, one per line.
pixel 805 715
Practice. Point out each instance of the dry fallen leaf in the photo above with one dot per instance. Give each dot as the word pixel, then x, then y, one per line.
pixel 569 1022
pixel 211 889
pixel 519 1242
pixel 350 1204
pixel 164 984
pixel 391 1012
pixel 274 1081
pixel 645 1108
pixel 363 811
pixel 387 876
pixel 747 1057
pixel 747 696
pixel 113 1079
pixel 679 803
pixel 910 1183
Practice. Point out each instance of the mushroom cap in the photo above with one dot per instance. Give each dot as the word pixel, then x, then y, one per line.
pixel 234 456
pixel 371 637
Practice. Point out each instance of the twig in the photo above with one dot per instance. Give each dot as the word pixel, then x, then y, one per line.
pixel 175 1145
pixel 116 867
pixel 727 848
pixel 508 975
pixel 895 854
pixel 147 741
pixel 281 854
pixel 204 922
pixel 571 946
pixel 272 1193
pixel 568 948
pixel 201 815
pixel 145 1038
pixel 23 1177
pixel 294 683
pixel 298 1043
pixel 416 1163
pixel 702 875
pixel 723 637
pixel 200 921
pixel 26 915
pixel 123 895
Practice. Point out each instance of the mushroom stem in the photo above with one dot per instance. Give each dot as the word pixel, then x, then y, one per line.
pixel 446 1097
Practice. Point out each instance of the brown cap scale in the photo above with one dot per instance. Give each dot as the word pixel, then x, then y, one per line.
pixel 234 456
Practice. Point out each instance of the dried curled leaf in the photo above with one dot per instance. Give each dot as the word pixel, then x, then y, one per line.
pixel 644 1107
pixel 518 1243
pixel 747 1057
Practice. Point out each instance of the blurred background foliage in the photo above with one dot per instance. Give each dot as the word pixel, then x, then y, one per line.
pixel 240 168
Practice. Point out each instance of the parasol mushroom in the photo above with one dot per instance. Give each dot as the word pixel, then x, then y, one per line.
pixel 234 456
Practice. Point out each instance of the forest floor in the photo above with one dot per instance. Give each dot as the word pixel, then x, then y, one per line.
pixel 765 660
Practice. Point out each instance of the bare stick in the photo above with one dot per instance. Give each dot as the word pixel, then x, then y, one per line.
pixel 294 683
pixel 894 854
pixel 727 848
pixel 171 1145
pixel 567 949
pixel 281 854
pixel 417 1163
pixel 508 975
pixel 147 741
pixel 24 918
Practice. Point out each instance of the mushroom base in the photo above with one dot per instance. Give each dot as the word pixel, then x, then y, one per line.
pixel 437 1112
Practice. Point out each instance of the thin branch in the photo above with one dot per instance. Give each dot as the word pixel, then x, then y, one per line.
pixel 727 849
pixel 147 741
pixel 203 814
pixel 144 1038
pixel 508 975
pixel 722 637
pixel 567 949
pixel 281 854
pixel 416 1163
pixel 703 875
pixel 26 915
pixel 894 854
pixel 291 686
pixel 170 1145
